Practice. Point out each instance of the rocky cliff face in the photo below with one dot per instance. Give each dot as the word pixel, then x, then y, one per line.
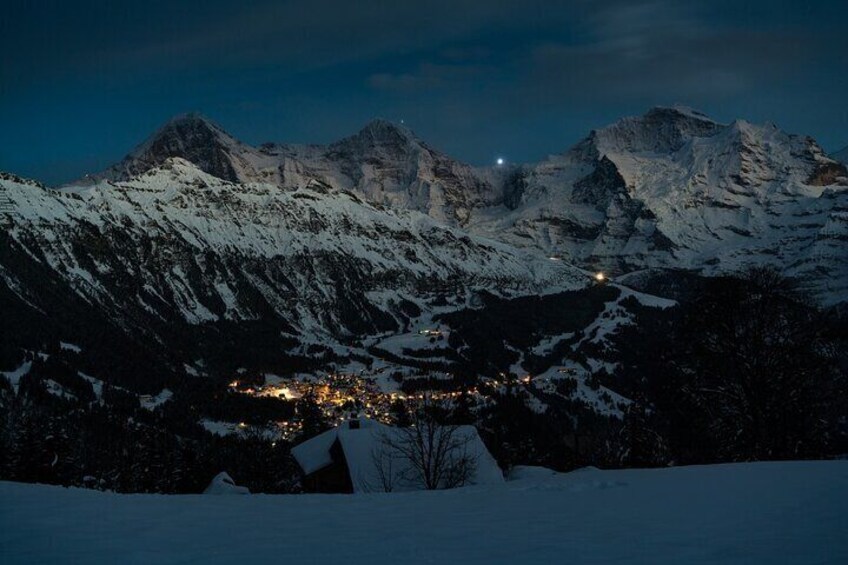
pixel 190 137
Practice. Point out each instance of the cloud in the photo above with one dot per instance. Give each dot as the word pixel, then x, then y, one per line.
pixel 432 76
pixel 641 51
pixel 530 75
pixel 106 37
pixel 94 36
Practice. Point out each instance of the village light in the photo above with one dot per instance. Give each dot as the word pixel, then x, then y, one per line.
pixel 600 277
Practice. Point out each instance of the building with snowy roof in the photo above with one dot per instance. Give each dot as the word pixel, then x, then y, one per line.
pixel 361 455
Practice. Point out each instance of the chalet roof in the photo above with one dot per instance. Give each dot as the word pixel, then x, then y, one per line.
pixel 361 445
pixel 314 454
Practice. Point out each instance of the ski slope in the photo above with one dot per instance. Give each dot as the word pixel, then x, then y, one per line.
pixel 791 512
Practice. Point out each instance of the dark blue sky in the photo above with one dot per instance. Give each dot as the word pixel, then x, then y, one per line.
pixel 83 82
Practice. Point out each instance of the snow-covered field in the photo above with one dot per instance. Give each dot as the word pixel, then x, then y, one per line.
pixel 746 513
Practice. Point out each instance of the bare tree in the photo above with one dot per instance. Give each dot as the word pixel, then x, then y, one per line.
pixel 426 455
pixel 385 461
pixel 760 368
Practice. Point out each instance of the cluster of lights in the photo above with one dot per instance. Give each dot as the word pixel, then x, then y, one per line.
pixel 338 396
pixel 341 395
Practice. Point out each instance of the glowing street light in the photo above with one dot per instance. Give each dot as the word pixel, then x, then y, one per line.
pixel 600 277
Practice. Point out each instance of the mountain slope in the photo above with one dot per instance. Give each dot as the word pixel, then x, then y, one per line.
pixel 177 247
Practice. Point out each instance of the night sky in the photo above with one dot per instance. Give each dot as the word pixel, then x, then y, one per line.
pixel 83 82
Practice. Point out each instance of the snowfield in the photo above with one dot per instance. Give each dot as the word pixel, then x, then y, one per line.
pixel 792 512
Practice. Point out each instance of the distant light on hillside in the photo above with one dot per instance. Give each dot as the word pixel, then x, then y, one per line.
pixel 500 161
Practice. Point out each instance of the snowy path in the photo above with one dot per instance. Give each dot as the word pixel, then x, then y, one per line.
pixel 749 513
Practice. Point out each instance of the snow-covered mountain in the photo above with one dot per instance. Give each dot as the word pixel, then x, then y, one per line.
pixel 193 138
pixel 385 162
pixel 669 189
pixel 176 243
pixel 388 164
pixel 674 189
pixel 201 242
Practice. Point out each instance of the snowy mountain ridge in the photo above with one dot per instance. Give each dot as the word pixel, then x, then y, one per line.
pixel 384 161
pixel 178 240
pixel 669 189
pixel 676 190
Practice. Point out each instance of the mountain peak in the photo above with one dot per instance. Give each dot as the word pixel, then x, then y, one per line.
pixel 190 136
pixel 190 129
pixel 661 129
pixel 191 116
pixel 382 125
pixel 677 111
pixel 378 137
pixel 382 131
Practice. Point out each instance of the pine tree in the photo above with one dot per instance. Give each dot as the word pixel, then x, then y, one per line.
pixel 313 421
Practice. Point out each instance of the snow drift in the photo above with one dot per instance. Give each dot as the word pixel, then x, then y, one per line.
pixel 743 513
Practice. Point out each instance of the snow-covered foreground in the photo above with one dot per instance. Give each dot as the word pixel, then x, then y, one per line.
pixel 746 513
